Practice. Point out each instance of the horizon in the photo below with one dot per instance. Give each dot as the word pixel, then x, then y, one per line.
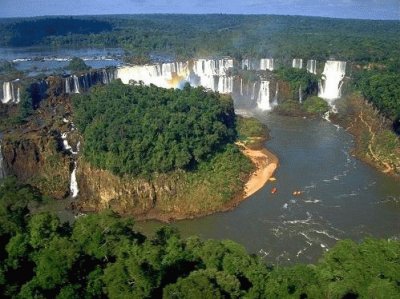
pixel 337 9
pixel 194 14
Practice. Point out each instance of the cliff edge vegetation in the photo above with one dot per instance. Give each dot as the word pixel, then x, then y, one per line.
pixel 158 153
pixel 145 151
pixel 375 141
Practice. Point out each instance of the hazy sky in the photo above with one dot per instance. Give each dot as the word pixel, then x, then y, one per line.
pixel 365 9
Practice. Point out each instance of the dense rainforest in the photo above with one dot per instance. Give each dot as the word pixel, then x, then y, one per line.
pixel 103 256
pixel 186 36
pixel 138 129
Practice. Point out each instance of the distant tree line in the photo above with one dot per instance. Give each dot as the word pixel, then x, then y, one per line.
pixel 184 36
pixel 31 32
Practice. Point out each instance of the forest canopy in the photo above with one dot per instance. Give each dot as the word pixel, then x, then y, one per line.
pixel 104 256
pixel 186 36
pixel 35 31
pixel 137 129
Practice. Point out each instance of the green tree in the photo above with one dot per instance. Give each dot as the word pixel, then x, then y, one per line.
pixel 77 65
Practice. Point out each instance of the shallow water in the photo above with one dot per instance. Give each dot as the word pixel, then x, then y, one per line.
pixel 36 60
pixel 342 198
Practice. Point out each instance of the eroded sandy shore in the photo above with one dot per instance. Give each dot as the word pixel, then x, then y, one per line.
pixel 266 164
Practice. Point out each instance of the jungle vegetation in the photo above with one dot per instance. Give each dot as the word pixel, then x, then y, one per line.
pixel 137 129
pixel 104 256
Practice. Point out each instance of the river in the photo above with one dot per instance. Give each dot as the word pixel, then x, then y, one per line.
pixel 342 198
pixel 43 60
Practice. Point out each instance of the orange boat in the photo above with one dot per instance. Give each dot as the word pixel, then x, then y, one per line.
pixel 273 191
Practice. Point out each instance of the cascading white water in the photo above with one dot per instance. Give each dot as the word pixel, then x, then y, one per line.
pixel 209 73
pixel 332 80
pixel 297 63
pixel 224 66
pixel 246 64
pixel 241 86
pixel 7 94
pixel 76 84
pixel 11 92
pixel 166 75
pixel 263 96
pixel 203 73
pixel 74 183
pixel 312 66
pixel 267 64
pixel 225 84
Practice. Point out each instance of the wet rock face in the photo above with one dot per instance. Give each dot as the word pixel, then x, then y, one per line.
pixel 100 189
pixel 36 160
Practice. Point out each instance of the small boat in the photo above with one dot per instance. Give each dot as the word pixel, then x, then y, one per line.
pixel 272 179
pixel 273 191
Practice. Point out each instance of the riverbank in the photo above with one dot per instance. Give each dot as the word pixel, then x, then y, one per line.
pixel 265 164
pixel 375 143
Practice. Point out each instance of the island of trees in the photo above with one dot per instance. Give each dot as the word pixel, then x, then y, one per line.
pixel 138 129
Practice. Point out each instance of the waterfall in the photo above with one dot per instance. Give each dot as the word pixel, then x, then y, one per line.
pixel 6 92
pixel 225 84
pixel 67 85
pixel 76 84
pixel 246 64
pixel 2 170
pixel 297 63
pixel 166 75
pixel 312 66
pixel 209 73
pixel 11 92
pixel 332 80
pixel 267 64
pixel 74 183
pixel 263 96
pixel 224 65
pixel 241 86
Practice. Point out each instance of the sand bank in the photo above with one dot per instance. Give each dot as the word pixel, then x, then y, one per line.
pixel 266 164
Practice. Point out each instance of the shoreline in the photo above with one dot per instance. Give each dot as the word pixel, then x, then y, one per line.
pixel 265 163
pixel 364 119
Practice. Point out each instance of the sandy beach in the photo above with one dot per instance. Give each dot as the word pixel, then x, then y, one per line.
pixel 266 164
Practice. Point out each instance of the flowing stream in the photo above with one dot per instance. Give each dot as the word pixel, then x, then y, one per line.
pixel 342 198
